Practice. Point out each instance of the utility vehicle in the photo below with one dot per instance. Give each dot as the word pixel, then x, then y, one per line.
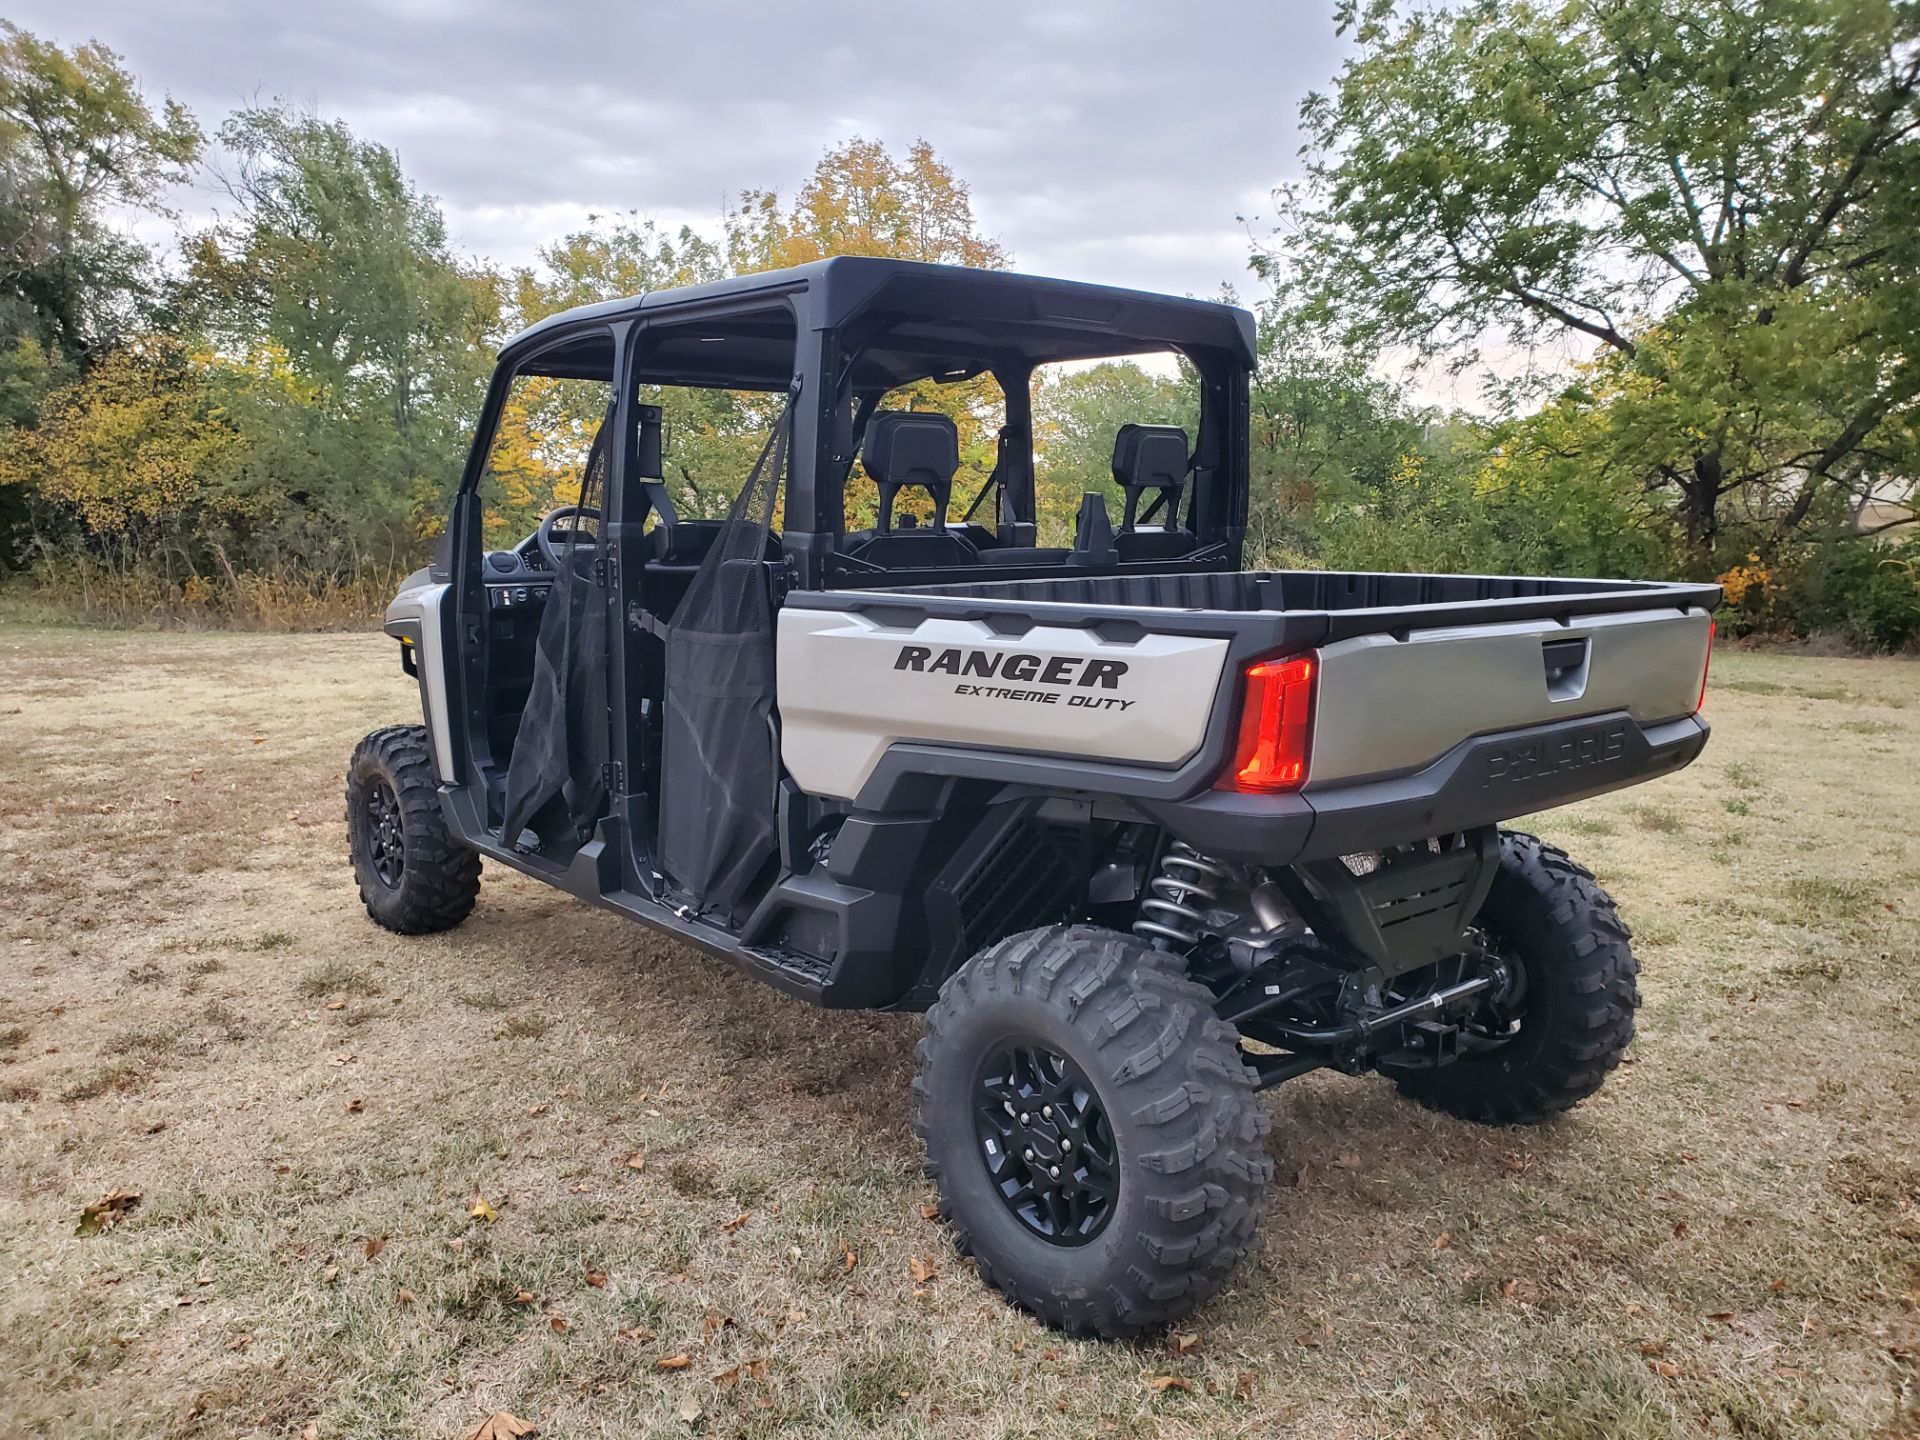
pixel 1141 831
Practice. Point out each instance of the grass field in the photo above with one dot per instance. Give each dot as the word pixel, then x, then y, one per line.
pixel 681 1163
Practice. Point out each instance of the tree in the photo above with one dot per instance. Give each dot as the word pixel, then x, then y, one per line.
pixel 862 201
pixel 1327 434
pixel 1716 196
pixel 77 139
pixel 1077 413
pixel 131 451
pixel 337 262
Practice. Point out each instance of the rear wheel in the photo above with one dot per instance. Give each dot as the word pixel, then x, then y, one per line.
pixel 1549 1039
pixel 1092 1130
pixel 415 877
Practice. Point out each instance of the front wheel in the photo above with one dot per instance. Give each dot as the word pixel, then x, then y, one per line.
pixel 1567 1016
pixel 415 877
pixel 1092 1130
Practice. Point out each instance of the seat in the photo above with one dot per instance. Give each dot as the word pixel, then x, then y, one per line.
pixel 910 448
pixel 1151 458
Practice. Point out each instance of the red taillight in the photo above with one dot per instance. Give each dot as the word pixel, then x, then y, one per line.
pixel 1713 627
pixel 1276 727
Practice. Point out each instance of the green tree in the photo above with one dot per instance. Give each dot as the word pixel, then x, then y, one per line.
pixel 1328 435
pixel 1076 414
pixel 77 140
pixel 336 262
pixel 1716 196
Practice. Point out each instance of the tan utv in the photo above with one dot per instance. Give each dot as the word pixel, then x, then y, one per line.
pixel 1142 832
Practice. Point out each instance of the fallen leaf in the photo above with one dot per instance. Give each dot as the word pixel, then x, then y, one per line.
pixel 1653 1347
pixel 374 1246
pixel 330 1274
pixel 1243 1385
pixel 637 1160
pixel 728 1377
pixel 712 1325
pixel 106 1212
pixel 639 1335
pixel 1777 1286
pixel 929 1211
pixel 1725 1317
pixel 1679 1229
pixel 310 1431
pixel 1302 1177
pixel 240 1342
pixel 1665 1369
pixel 674 1362
pixel 1182 1342
pixel 524 1297
pixel 405 1296
pixel 336 1005
pixel 481 1210
pixel 1161 1383
pixel 597 1279
pixel 921 1270
pixel 556 1324
pixel 539 1109
pixel 354 1107
pixel 502 1426
pixel 851 1256
pixel 689 1409
pixel 736 1222
pixel 1443 1241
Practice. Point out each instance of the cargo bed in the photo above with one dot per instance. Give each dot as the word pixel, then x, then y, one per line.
pixel 1507 694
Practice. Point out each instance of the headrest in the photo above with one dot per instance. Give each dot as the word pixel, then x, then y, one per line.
pixel 1150 457
pixel 911 447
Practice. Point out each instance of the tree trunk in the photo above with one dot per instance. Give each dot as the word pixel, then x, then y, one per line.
pixel 1700 505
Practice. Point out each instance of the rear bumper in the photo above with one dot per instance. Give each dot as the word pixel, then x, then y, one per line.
pixel 1479 782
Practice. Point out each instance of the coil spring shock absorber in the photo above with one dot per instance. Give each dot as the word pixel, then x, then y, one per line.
pixel 1168 915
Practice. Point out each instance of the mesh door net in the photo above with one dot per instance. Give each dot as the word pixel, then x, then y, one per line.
pixel 554 780
pixel 718 764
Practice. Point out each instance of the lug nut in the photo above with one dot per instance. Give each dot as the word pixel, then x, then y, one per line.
pixel 1047 1110
pixel 1065 1146
pixel 1025 1118
pixel 1029 1154
pixel 1054 1171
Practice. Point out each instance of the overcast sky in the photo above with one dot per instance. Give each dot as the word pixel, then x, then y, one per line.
pixel 1102 141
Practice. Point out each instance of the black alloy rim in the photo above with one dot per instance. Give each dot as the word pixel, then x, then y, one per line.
pixel 386 838
pixel 1046 1142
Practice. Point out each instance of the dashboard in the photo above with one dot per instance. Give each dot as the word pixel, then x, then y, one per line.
pixel 517 579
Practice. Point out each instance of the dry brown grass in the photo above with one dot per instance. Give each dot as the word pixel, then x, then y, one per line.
pixel 1726 1242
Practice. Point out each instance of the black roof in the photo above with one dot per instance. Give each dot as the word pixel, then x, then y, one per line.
pixel 910 320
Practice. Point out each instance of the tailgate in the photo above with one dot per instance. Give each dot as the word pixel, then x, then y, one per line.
pixel 1392 703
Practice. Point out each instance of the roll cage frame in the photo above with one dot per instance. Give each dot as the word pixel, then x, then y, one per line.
pixel 839 334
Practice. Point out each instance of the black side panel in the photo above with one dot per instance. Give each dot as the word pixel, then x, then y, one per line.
pixel 718 761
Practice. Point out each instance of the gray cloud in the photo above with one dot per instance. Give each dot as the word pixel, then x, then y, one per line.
pixel 1102 141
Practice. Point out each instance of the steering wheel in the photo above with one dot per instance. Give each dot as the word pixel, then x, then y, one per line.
pixel 555 551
